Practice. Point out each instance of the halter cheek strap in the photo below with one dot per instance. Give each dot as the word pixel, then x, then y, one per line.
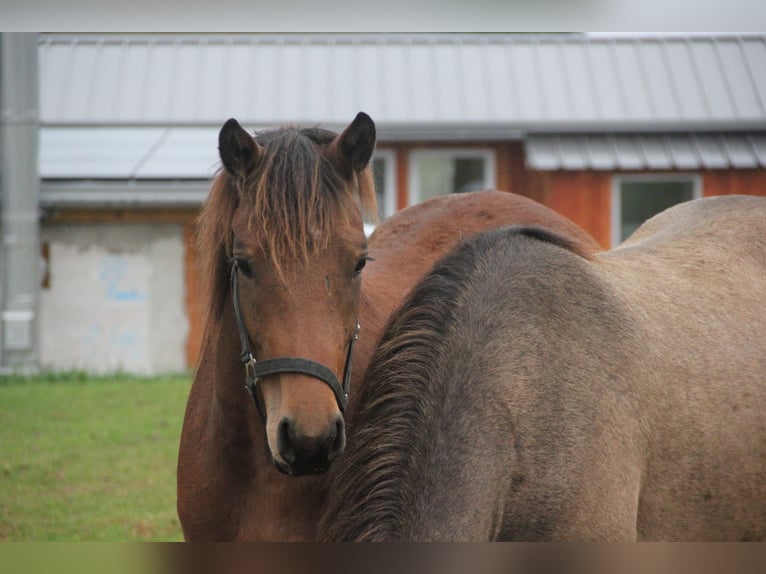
pixel 254 370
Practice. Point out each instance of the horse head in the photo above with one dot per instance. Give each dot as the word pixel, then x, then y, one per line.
pixel 295 252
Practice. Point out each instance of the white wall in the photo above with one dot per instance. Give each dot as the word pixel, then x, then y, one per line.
pixel 116 299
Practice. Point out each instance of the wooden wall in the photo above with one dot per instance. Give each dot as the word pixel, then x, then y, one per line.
pixel 729 182
pixel 585 197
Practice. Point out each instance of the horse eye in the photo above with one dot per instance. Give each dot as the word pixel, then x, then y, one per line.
pixel 360 265
pixel 244 267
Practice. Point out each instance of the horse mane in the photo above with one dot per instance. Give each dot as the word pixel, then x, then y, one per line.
pixel 294 198
pixel 367 497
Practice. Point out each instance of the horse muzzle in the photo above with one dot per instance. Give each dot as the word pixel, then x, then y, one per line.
pixel 298 454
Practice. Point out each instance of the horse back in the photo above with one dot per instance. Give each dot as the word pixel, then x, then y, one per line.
pixel 694 277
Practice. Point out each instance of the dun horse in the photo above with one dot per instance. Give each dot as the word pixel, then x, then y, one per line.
pixel 284 254
pixel 528 391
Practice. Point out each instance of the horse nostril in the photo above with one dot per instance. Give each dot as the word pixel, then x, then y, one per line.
pixel 339 440
pixel 286 440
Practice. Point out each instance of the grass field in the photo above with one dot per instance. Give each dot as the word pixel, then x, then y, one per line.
pixel 84 458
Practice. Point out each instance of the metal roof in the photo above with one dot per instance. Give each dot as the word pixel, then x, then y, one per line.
pixel 508 83
pixel 646 151
pixel 110 152
pixel 144 107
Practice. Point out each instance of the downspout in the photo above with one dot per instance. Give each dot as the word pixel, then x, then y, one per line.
pixel 19 210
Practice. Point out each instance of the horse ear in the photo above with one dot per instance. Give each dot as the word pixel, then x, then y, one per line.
pixel 239 150
pixel 351 150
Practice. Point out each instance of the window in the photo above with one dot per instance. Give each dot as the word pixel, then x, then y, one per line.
pixel 637 198
pixel 438 172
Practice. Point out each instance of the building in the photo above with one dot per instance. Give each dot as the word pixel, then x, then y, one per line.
pixel 605 129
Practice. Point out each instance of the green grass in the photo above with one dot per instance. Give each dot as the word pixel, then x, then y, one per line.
pixel 89 458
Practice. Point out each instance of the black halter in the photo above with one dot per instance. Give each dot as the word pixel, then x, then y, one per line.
pixel 254 370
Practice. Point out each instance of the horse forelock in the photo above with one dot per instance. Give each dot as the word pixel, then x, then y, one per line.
pixel 295 198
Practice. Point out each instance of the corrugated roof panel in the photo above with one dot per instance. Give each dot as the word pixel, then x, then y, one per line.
pixel 473 74
pixel 735 73
pixel 447 93
pixel 630 153
pixel 711 152
pixel 185 75
pixel 683 153
pixel 339 92
pixel 528 83
pixel 421 74
pixel 548 152
pixel 656 152
pixel 53 62
pixel 101 99
pixel 632 82
pixel 266 89
pixel 182 153
pixel 740 151
pixel 604 75
pixel 291 85
pixel 131 98
pixel 94 152
pixel 543 153
pixel 580 89
pixel 557 104
pixel 214 64
pixel 368 82
pixel 572 152
pixel 657 81
pixel 712 83
pixel 602 153
pixel 759 148
pixel 754 50
pixel 317 71
pixel 159 76
pixel 684 81
pixel 531 82
pixel 397 85
pixel 240 82
pixel 77 98
pixel 501 90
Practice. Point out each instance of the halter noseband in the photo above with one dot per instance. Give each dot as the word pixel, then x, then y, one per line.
pixel 254 369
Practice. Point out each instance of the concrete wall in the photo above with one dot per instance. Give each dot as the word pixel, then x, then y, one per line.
pixel 114 299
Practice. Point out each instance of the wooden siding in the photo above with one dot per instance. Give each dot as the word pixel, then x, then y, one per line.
pixel 725 182
pixel 582 196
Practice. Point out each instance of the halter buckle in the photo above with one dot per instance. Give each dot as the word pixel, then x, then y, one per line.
pixel 249 362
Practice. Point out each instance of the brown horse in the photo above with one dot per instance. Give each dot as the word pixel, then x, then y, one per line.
pixel 283 249
pixel 528 391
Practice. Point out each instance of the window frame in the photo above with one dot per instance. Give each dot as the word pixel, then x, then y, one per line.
pixel 388 157
pixel 488 154
pixel 619 180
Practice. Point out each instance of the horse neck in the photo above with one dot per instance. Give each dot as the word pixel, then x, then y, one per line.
pixel 375 306
pixel 270 505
